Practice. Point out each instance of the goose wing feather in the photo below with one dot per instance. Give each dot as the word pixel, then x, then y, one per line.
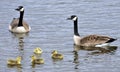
pixel 94 39
pixel 15 22
pixel 26 26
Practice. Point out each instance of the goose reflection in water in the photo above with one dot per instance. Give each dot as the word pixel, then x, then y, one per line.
pixel 20 37
pixel 76 59
pixel 93 51
pixel 20 46
pixel 97 50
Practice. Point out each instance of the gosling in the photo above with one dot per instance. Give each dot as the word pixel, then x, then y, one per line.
pixel 16 62
pixel 56 55
pixel 37 50
pixel 35 60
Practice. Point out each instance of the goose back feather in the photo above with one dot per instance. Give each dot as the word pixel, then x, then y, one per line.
pixel 93 40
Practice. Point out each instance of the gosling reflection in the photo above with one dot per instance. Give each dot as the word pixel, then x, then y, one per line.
pixel 97 50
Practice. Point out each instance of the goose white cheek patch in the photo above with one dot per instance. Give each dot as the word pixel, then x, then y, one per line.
pixel 74 18
pixel 22 9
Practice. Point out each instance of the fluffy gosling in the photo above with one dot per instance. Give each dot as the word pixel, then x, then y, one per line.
pixel 38 50
pixel 15 62
pixel 35 60
pixel 56 55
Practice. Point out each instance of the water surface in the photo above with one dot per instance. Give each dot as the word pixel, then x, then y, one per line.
pixel 51 31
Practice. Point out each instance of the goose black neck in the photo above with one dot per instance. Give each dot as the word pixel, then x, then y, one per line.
pixel 21 19
pixel 76 28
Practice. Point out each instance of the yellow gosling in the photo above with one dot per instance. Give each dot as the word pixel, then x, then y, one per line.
pixel 35 60
pixel 38 50
pixel 56 55
pixel 14 62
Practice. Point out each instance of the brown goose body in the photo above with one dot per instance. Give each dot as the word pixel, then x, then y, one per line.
pixel 93 40
pixel 13 27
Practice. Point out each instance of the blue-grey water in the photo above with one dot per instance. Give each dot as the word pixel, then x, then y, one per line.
pixel 51 31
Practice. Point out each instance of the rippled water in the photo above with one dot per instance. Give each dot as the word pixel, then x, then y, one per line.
pixel 51 31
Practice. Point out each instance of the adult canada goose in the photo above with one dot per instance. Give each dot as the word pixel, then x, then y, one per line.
pixel 90 40
pixel 18 25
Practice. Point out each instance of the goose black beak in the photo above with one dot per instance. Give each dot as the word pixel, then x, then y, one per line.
pixel 68 18
pixel 17 9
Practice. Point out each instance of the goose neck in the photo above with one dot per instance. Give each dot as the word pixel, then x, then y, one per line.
pixel 76 28
pixel 21 19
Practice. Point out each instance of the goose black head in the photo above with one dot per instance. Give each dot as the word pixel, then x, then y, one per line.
pixel 73 17
pixel 20 8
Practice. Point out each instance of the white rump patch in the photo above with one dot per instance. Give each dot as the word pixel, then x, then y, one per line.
pixel 74 18
pixel 102 45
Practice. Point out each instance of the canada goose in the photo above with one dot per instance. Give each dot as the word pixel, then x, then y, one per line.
pixel 38 50
pixel 18 25
pixel 35 60
pixel 90 40
pixel 14 62
pixel 56 55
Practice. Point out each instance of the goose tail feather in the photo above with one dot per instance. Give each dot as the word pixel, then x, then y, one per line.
pixel 111 40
